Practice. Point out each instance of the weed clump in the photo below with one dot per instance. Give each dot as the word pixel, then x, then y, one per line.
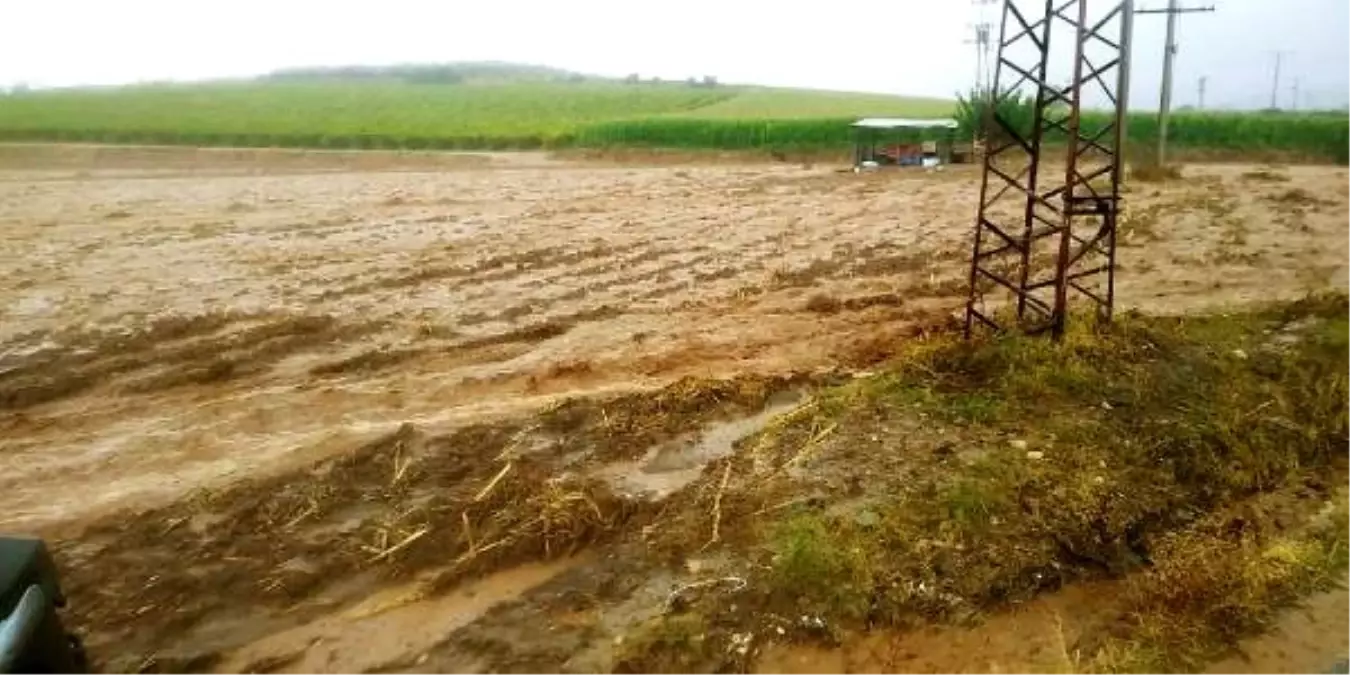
pixel 1209 589
pixel 808 550
pixel 675 644
pixel 1152 172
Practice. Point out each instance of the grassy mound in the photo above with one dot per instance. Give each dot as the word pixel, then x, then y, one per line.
pixel 1196 458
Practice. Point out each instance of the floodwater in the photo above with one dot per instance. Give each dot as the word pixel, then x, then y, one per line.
pixel 176 326
pixel 389 628
pixel 1033 637
pixel 1312 638
pixel 233 313
pixel 670 466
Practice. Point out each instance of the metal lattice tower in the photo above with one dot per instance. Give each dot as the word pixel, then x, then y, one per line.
pixel 1050 193
pixel 984 45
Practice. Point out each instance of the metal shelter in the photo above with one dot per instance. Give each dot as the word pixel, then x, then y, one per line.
pixel 868 131
pixel 1045 231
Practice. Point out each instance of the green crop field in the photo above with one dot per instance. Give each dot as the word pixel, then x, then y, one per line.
pixel 396 114
pixel 382 114
pixel 1315 135
pixel 385 113
pixel 767 103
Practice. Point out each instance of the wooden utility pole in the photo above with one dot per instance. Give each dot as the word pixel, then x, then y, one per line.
pixel 1169 51
pixel 1165 97
pixel 1201 103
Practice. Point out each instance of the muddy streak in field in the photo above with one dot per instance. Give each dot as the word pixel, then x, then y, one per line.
pixel 175 321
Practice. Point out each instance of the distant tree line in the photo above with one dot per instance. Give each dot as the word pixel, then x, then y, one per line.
pixel 436 73
pixel 707 81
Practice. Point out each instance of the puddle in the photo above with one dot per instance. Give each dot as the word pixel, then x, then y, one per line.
pixel 392 625
pixel 1039 636
pixel 619 620
pixel 1313 638
pixel 1034 637
pixel 670 466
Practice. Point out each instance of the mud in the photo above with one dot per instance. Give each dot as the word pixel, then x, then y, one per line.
pixel 1035 637
pixel 387 626
pixel 409 515
pixel 245 374
pixel 1312 638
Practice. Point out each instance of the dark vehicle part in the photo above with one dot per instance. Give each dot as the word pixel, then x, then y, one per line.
pixel 32 639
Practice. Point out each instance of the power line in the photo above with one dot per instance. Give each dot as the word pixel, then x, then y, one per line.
pixel 983 29
pixel 981 42
pixel 1170 10
pixel 984 60
pixel 1275 83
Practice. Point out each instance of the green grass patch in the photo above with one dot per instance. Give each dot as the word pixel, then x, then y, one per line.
pixel 807 549
pixel 677 644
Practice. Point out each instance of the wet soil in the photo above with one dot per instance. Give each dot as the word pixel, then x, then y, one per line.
pixel 241 379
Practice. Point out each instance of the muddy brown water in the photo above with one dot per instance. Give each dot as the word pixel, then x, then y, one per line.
pixel 424 257
pixel 1038 636
pixel 1313 638
pixel 667 467
pixel 175 320
pixel 1031 637
pixel 388 626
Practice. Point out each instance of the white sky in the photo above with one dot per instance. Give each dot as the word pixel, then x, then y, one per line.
pixel 895 46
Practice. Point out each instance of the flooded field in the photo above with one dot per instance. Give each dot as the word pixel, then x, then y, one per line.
pixel 372 340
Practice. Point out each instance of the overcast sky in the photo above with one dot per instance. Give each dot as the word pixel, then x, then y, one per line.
pixel 894 46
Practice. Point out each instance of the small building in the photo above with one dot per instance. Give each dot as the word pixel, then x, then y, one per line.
pixel 899 141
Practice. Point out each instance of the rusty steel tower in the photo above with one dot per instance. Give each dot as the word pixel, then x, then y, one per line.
pixel 1045 234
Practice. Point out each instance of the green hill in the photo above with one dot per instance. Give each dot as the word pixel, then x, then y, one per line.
pixel 340 113
pixel 399 106
pixel 500 106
